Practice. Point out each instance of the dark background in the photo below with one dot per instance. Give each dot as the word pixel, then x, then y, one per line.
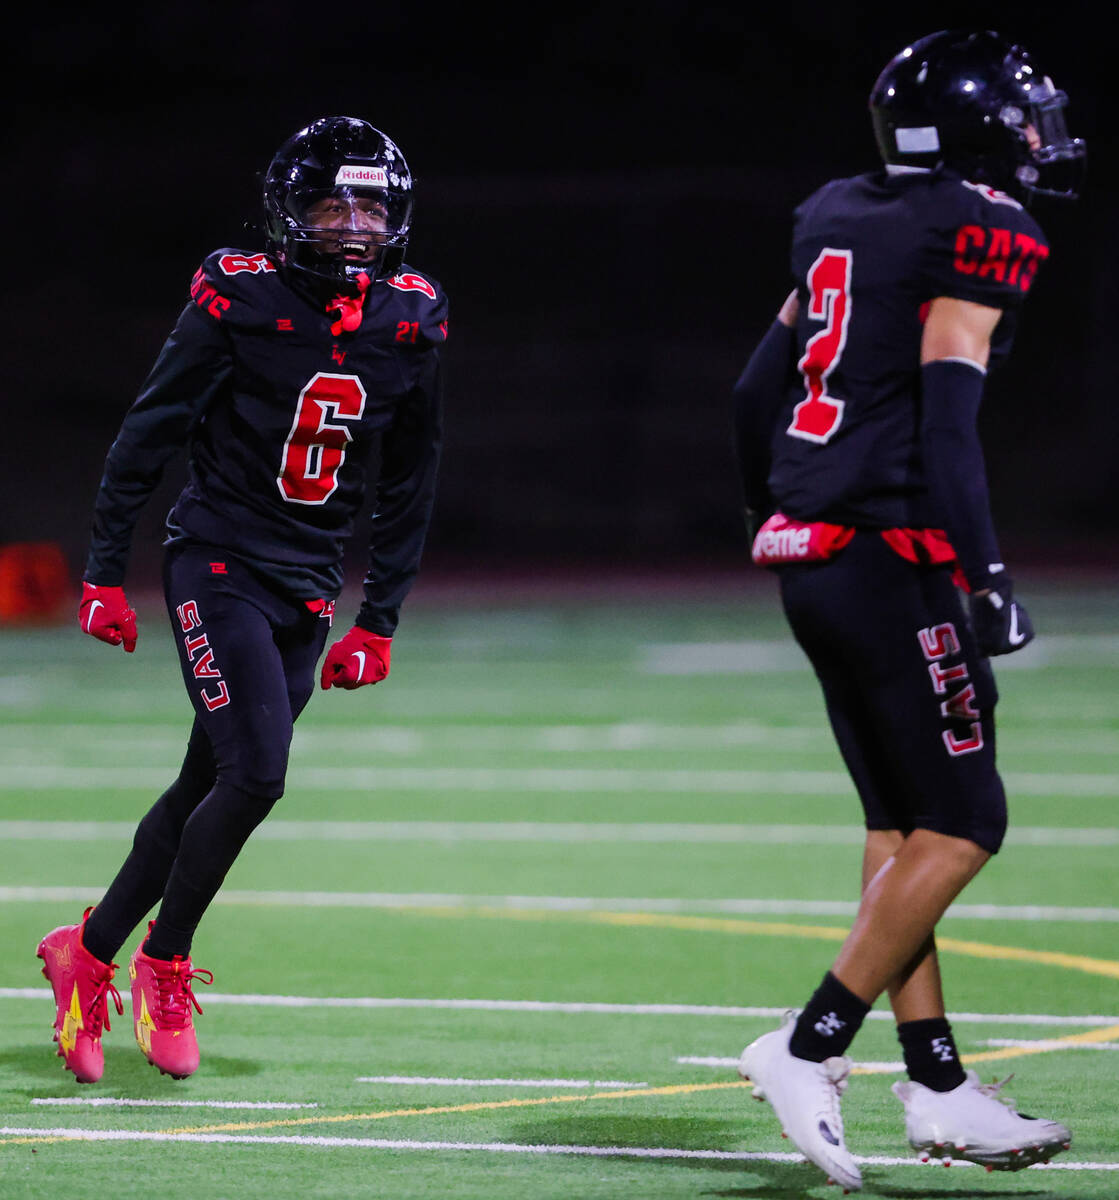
pixel 606 196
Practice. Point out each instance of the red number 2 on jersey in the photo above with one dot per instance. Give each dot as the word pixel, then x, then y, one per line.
pixel 817 417
pixel 316 447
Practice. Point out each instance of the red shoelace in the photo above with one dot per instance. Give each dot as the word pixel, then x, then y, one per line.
pixel 98 1014
pixel 175 993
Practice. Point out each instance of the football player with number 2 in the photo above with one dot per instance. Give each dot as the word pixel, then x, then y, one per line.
pixel 289 365
pixel 855 430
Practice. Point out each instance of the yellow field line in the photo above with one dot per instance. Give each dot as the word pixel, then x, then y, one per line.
pixel 1047 958
pixel 986 950
pixel 476 1106
pixel 1111 1033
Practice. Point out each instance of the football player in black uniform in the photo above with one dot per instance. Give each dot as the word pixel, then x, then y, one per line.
pixel 287 366
pixel 855 425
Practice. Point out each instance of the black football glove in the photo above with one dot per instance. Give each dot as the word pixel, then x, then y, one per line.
pixel 1000 622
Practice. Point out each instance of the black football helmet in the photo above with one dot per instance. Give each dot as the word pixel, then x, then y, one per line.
pixel 344 167
pixel 979 104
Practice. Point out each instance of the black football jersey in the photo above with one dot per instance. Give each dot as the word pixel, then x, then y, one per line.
pixel 280 407
pixel 869 253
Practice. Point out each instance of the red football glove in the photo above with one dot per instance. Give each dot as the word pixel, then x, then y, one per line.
pixel 104 614
pixel 359 658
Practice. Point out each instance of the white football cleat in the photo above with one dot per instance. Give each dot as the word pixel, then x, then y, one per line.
pixel 972 1122
pixel 805 1096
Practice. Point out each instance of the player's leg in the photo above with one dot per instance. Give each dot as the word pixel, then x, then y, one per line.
pixel 916 993
pixel 78 960
pixel 804 1086
pixel 859 618
pixel 142 878
pixel 930 698
pixel 225 624
pixel 901 907
pixel 912 708
pixel 228 627
pixel 82 956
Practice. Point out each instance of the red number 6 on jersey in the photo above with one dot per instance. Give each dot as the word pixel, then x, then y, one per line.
pixel 817 417
pixel 315 448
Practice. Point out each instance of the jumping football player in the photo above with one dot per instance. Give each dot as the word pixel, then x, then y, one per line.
pixel 287 367
pixel 855 427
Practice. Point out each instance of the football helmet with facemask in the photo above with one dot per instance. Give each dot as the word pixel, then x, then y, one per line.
pixel 978 103
pixel 338 202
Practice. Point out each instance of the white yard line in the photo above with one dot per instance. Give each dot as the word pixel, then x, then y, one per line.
pixel 410 739
pixel 576 832
pixel 612 780
pixel 656 904
pixel 655 1152
pixel 445 1081
pixel 257 1000
pixel 32 740
pixel 758 657
pixel 121 1102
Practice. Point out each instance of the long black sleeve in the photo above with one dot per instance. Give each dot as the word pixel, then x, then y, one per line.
pixel 954 467
pixel 757 399
pixel 405 498
pixel 194 363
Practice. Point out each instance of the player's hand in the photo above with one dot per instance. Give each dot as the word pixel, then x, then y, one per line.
pixel 104 614
pixel 359 658
pixel 1000 622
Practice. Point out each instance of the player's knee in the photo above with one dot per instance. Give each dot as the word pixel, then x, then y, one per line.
pixel 987 824
pixel 159 830
pixel 993 829
pixel 246 809
pixel 259 773
pixel 258 767
pixel 255 780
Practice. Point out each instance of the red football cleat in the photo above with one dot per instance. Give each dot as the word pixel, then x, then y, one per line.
pixel 82 985
pixel 161 1004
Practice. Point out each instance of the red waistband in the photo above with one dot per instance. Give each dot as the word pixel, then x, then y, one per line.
pixel 782 540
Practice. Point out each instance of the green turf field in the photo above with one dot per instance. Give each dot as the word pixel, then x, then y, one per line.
pixel 525 902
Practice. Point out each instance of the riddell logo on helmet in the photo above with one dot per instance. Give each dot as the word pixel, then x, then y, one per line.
pixel 362 177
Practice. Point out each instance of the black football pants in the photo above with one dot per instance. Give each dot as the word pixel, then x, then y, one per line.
pixel 910 698
pixel 248 657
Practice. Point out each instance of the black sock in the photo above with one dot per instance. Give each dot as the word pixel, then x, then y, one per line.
pixel 829 1022
pixel 102 950
pixel 165 942
pixel 930 1054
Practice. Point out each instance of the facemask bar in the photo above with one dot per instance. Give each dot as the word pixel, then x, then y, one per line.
pixel 397 209
pixel 1055 161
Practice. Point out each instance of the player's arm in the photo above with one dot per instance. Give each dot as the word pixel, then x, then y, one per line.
pixel 955 349
pixel 405 498
pixel 194 363
pixel 756 401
